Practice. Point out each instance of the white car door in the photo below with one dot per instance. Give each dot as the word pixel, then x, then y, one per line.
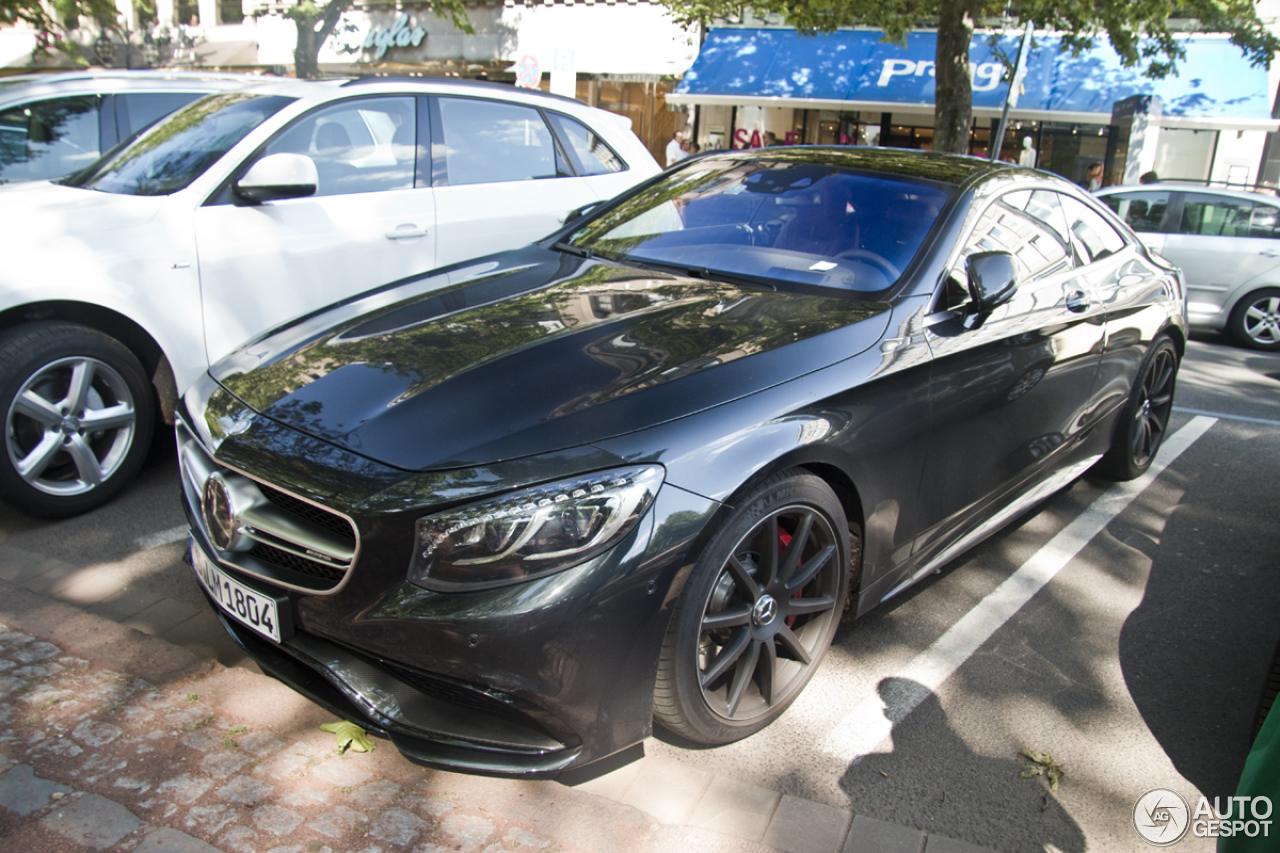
pixel 370 222
pixel 1221 242
pixel 500 180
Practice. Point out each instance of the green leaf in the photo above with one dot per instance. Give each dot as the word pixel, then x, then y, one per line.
pixel 350 736
pixel 1043 765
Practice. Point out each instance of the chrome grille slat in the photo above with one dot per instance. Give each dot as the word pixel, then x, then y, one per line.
pixel 293 542
pixel 271 525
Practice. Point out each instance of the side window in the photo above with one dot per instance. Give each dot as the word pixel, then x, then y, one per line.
pixel 1141 211
pixel 1220 216
pixel 490 141
pixel 135 110
pixel 48 139
pixel 1265 221
pixel 1091 234
pixel 359 146
pixel 589 153
pixel 1038 249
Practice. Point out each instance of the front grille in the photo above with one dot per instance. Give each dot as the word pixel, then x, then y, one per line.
pixel 324 519
pixel 293 563
pixel 279 537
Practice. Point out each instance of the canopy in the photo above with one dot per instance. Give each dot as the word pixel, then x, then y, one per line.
pixel 855 70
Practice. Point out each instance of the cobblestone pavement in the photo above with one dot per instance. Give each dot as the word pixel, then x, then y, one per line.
pixel 114 740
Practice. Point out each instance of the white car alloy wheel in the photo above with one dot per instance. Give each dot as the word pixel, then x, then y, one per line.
pixel 70 426
pixel 77 418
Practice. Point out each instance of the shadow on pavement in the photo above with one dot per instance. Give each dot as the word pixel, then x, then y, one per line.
pixel 995 807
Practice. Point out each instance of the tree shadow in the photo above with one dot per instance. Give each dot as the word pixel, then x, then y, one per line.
pixel 1196 652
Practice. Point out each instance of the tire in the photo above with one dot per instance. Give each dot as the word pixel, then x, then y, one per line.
pixel 79 416
pixel 1144 420
pixel 1255 320
pixel 748 632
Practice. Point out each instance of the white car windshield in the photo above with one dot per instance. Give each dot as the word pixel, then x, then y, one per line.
pixel 773 220
pixel 172 154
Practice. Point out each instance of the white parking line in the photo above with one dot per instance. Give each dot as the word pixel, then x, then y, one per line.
pixel 862 730
pixel 1226 417
pixel 163 537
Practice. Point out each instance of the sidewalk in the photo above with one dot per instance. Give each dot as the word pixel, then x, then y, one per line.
pixel 112 739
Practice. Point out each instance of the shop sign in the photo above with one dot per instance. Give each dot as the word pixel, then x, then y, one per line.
pixel 399 34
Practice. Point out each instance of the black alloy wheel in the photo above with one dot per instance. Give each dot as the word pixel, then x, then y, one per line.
pixel 1144 421
pixel 1255 321
pixel 758 614
pixel 78 417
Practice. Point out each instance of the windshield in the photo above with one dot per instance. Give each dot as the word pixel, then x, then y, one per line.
pixel 773 220
pixel 173 153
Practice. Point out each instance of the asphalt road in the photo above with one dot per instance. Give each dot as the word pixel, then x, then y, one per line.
pixel 1126 630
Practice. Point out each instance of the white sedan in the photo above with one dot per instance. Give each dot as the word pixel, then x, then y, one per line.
pixel 122 283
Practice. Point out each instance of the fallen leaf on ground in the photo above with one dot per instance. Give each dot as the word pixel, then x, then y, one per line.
pixel 1043 765
pixel 350 736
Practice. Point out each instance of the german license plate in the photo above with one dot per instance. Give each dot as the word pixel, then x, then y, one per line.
pixel 258 611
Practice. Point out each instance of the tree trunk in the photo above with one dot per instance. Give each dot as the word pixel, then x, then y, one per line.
pixel 306 62
pixel 306 55
pixel 953 98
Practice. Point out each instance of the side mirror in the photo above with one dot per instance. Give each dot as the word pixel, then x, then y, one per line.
pixel 992 280
pixel 278 176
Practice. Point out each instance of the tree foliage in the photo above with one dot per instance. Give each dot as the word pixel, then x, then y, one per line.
pixel 317 21
pixel 1139 30
pixel 50 19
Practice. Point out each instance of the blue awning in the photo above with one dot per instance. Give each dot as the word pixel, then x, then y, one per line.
pixel 855 70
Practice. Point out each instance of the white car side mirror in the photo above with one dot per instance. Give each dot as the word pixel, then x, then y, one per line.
pixel 278 176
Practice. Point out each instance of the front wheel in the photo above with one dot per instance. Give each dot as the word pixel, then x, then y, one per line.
pixel 758 614
pixel 1144 420
pixel 1255 321
pixel 78 418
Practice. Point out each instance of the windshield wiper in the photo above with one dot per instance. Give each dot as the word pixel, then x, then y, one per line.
pixel 575 250
pixel 704 273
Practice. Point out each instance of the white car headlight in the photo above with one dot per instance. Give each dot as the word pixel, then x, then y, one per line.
pixel 532 532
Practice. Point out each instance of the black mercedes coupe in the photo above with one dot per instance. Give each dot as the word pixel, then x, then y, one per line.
pixel 511 513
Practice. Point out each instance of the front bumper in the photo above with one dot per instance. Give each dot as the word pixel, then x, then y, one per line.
pixel 525 680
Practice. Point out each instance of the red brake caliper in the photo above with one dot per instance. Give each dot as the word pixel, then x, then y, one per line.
pixel 784 539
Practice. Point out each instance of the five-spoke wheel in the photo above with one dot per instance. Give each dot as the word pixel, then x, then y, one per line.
pixel 1255 321
pixel 758 613
pixel 78 417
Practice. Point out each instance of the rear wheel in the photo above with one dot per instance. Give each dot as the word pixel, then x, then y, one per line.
pixel 758 614
pixel 78 418
pixel 1255 321
pixel 1144 421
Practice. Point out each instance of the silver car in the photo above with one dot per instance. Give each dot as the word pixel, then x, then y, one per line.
pixel 53 124
pixel 1228 245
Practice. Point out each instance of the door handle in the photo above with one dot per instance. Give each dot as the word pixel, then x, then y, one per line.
pixel 406 231
pixel 1078 301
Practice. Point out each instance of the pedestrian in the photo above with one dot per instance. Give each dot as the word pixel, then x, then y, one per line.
pixel 770 138
pixel 675 149
pixel 1148 178
pixel 1093 177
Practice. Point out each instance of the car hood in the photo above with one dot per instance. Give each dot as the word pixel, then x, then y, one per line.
pixel 570 351
pixel 41 211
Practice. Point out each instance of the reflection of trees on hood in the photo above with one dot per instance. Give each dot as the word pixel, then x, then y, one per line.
pixel 659 318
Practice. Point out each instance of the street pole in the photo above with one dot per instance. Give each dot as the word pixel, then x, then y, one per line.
pixel 1011 97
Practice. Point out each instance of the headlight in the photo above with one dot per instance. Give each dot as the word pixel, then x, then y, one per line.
pixel 532 532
